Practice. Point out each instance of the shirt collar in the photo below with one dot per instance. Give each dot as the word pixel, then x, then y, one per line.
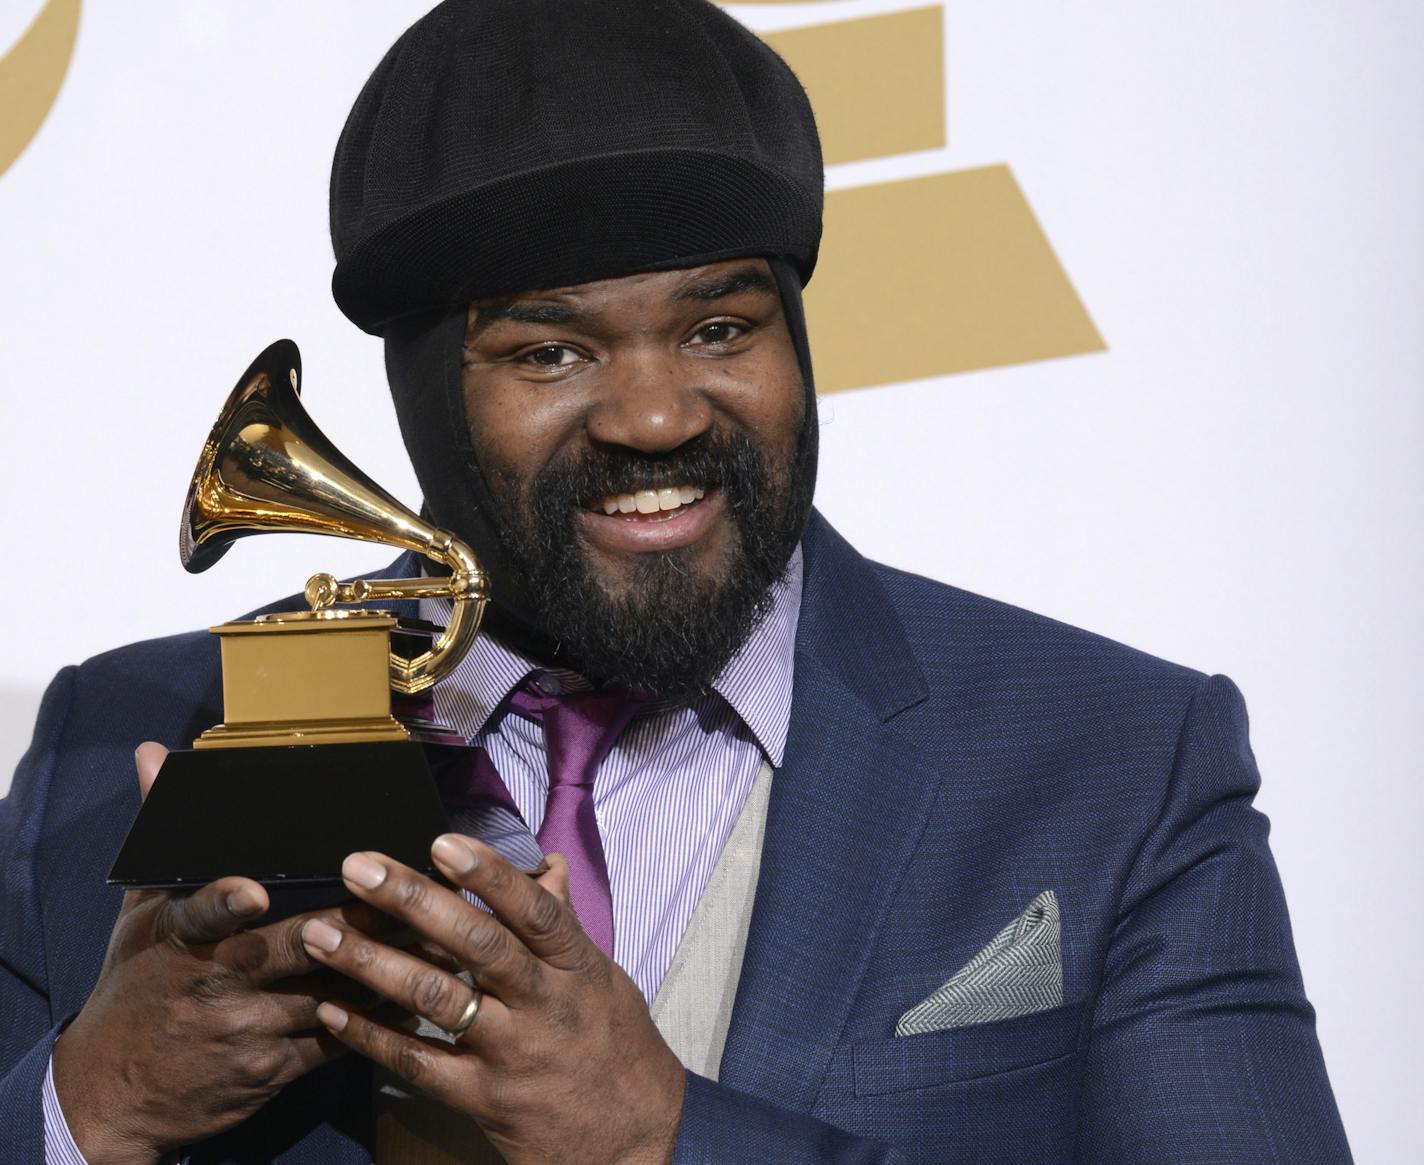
pixel 756 682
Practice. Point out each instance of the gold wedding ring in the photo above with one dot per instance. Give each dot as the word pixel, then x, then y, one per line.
pixel 472 1009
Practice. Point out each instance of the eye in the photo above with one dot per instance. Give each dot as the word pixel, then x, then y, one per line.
pixel 718 333
pixel 547 357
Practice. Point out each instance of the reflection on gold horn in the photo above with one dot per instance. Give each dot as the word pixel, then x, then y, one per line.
pixel 266 468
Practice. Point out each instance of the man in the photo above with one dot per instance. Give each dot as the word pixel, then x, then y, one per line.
pixel 1008 900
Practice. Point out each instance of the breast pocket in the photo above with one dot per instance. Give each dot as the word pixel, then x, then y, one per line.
pixel 903 1063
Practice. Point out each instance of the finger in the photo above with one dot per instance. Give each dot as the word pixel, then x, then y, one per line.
pixel 479 942
pixel 555 877
pixel 282 1061
pixel 411 983
pixel 211 913
pixel 148 759
pixel 433 955
pixel 544 923
pixel 288 1008
pixel 436 1068
pixel 306 1052
pixel 268 954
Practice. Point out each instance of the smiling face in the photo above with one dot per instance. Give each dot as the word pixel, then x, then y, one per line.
pixel 645 441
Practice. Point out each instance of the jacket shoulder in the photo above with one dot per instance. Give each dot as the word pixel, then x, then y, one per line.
pixel 943 621
pixel 165 689
pixel 181 649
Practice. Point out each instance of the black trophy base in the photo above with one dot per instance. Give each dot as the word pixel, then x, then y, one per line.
pixel 283 816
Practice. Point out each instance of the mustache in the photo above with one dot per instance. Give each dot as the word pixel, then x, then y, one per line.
pixel 727 461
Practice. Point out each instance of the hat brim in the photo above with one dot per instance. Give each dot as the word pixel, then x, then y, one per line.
pixel 575 222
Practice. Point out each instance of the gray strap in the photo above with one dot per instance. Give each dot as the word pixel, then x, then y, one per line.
pixel 693 1006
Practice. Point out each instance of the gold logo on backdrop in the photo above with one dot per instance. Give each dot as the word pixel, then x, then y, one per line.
pixel 31 74
pixel 926 276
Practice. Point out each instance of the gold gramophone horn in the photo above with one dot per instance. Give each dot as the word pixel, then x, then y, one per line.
pixel 266 468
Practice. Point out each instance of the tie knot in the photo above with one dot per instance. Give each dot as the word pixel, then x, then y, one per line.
pixel 580 728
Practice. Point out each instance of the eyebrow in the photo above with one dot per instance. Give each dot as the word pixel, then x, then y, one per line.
pixel 542 311
pixel 719 286
pixel 524 311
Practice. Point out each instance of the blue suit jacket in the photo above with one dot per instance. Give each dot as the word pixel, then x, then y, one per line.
pixel 949 758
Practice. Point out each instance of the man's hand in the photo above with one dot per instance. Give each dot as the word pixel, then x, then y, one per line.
pixel 194 1023
pixel 562 1062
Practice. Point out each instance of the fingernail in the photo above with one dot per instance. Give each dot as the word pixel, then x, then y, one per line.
pixel 332 1016
pixel 363 871
pixel 244 901
pixel 452 853
pixel 321 935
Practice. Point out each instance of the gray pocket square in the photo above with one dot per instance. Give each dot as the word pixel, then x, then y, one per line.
pixel 1018 973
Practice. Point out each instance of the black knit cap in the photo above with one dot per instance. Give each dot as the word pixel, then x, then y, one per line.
pixel 503 146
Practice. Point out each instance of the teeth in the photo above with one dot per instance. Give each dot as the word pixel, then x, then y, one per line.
pixel 651 501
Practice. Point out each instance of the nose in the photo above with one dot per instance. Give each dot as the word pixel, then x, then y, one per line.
pixel 650 402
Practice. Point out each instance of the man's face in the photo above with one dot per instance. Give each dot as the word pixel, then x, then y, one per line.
pixel 641 437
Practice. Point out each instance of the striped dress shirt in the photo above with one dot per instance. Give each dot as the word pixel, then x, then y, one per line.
pixel 666 797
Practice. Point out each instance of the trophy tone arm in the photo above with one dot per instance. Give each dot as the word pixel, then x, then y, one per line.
pixel 467 587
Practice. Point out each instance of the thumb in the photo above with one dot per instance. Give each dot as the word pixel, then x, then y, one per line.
pixel 213 912
pixel 556 878
pixel 148 759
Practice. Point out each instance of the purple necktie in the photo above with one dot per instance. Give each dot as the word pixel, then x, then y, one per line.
pixel 580 729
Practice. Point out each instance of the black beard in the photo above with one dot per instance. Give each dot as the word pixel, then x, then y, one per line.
pixel 670 631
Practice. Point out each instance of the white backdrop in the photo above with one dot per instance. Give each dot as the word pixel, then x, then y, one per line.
pixel 1235 191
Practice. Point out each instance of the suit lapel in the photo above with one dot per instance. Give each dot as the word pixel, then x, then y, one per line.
pixel 847 809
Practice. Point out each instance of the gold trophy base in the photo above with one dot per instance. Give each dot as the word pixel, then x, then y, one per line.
pixel 306 678
pixel 346 731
